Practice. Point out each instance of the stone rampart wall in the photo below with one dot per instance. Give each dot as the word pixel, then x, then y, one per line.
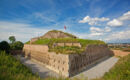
pixel 78 63
pixel 53 61
pixel 66 65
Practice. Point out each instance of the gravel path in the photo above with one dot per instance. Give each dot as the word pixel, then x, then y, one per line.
pixel 41 70
pixel 96 71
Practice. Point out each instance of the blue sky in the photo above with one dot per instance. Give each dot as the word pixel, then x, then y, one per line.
pixel 107 20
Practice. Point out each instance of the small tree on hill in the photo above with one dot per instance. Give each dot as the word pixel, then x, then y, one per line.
pixel 12 39
pixel 18 45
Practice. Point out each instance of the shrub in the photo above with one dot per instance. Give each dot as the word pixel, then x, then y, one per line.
pixel 18 45
pixel 4 46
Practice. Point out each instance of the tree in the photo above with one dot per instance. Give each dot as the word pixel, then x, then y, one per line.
pixel 18 45
pixel 4 46
pixel 12 39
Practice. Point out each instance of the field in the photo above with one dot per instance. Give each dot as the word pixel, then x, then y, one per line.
pixel 12 69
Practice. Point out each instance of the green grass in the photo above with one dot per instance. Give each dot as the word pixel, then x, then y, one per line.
pixel 12 69
pixel 121 70
pixel 67 50
pixel 83 42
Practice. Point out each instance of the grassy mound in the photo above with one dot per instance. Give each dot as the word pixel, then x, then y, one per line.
pixel 68 34
pixel 66 49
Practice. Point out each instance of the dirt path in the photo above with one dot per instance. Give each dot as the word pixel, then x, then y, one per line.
pixel 120 53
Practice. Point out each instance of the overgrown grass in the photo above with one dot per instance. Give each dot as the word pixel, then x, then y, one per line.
pixel 121 70
pixel 12 69
pixel 67 50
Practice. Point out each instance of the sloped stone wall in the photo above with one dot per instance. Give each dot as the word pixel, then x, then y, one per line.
pixel 66 65
pixel 79 62
pixel 51 60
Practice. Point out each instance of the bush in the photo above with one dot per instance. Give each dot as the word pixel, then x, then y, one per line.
pixel 18 45
pixel 4 46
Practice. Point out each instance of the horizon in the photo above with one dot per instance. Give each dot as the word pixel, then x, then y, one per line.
pixel 107 20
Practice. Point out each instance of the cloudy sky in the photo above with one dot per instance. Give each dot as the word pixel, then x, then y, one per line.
pixel 107 20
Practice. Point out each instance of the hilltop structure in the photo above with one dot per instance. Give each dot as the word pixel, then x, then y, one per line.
pixel 54 34
pixel 66 58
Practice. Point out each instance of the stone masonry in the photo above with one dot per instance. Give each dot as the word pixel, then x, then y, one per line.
pixel 66 64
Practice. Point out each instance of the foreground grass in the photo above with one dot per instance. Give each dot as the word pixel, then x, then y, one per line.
pixel 12 69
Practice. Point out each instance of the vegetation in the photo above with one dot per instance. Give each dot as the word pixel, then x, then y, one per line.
pixel 15 45
pixel 18 45
pixel 67 49
pixel 121 70
pixel 12 39
pixel 4 46
pixel 12 69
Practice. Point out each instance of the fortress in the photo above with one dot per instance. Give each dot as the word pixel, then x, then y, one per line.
pixel 66 64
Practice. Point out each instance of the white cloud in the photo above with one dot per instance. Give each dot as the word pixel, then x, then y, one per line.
pixel 126 16
pixel 93 21
pixel 120 20
pixel 95 31
pixel 107 29
pixel 21 31
pixel 115 23
pixel 97 34
pixel 122 35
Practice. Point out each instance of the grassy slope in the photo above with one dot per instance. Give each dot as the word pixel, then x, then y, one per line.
pixel 12 69
pixel 67 50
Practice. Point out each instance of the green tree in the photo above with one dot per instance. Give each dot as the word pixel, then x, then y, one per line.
pixel 12 39
pixel 18 45
pixel 4 46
